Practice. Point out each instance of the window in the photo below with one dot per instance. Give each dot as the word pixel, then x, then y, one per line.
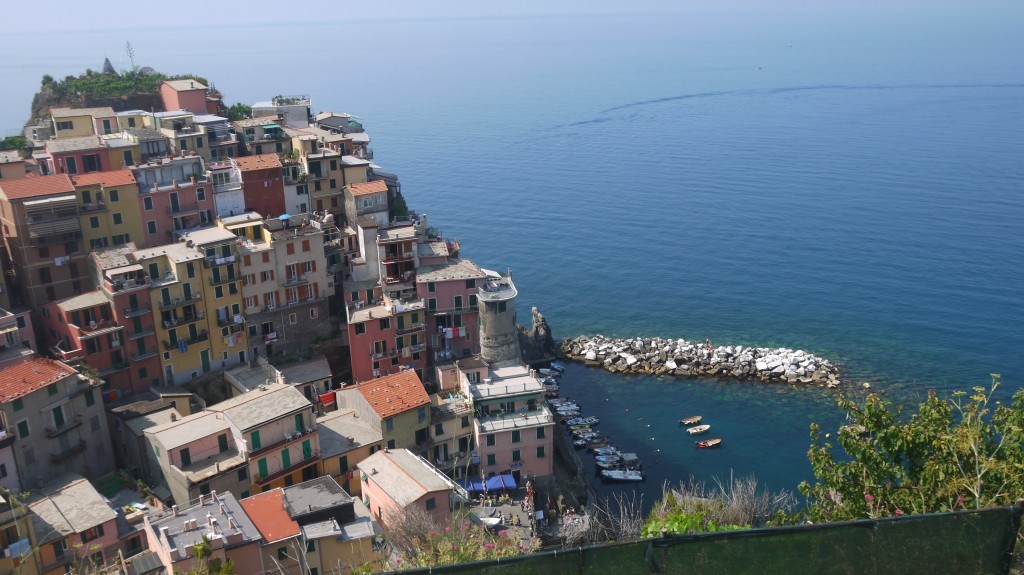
pixel 360 328
pixel 245 493
pixel 391 444
pixel 200 194
pixel 51 389
pixel 131 122
pixel 218 291
pixel 470 284
pixel 422 413
pixel 94 222
pixel 465 421
pixel 516 455
pixel 18 404
pixel 120 239
pixel 243 474
pixel 90 399
pixel 385 323
pixel 516 436
pixel 431 504
pixel 290 248
pixel 540 452
pixel 313 313
pixel 282 553
pixel 255 439
pixel 389 424
pixel 293 319
pixel 23 430
pixel 92 533
pixel 183 144
pixel 490 439
pixel 430 287
pixel 72 165
pixel 438 429
pixel 91 163
pixel 311 546
pixel 147 203
pixel 492 459
pixel 151 227
pixel 65 125
pixel 540 433
pixel 222 442
pixel 186 457
pixel 3 470
pixel 305 245
pixel 117 219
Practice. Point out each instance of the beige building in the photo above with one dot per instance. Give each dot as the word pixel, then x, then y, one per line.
pixel 77 122
pixel 397 404
pixel 345 440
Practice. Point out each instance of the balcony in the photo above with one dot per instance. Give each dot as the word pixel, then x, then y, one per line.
pixel 226 321
pixel 414 348
pixel 450 410
pixel 454 310
pixel 295 280
pixel 214 261
pixel 216 281
pixel 53 431
pixel 178 302
pixel 130 312
pixel 184 320
pixel 183 209
pixel 143 356
pixel 97 207
pixel 314 456
pixel 140 334
pixel 102 326
pixel 385 354
pixel 40 228
pixel 397 257
pixel 410 328
pixel 501 421
pixel 424 443
pixel 114 368
pixel 6 436
pixel 62 456
pixel 288 438
pixel 193 340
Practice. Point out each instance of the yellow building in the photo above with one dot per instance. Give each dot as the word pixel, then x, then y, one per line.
pixel 134 119
pixel 123 150
pixel 108 207
pixel 345 440
pixel 397 404
pixel 76 122
pixel 185 135
pixel 195 285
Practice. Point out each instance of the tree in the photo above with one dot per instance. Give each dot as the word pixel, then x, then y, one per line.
pixel 13 143
pixel 207 563
pixel 239 111
pixel 965 452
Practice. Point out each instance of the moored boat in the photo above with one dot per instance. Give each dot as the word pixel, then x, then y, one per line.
pixel 592 420
pixel 709 443
pixel 694 420
pixel 557 366
pixel 607 458
pixel 605 450
pixel 698 430
pixel 622 475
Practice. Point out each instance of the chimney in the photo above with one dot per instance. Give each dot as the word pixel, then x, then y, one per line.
pixel 213 495
pixel 184 526
pixel 174 510
pixel 163 532
pixel 174 417
pixel 231 522
pixel 202 500
pixel 209 519
pixel 223 510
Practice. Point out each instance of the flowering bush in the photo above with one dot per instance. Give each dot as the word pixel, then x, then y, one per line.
pixel 460 542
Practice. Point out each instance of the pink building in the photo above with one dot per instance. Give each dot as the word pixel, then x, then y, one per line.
pixel 174 196
pixel 84 330
pixel 450 292
pixel 74 527
pixel 184 95
pixel 397 479
pixel 82 155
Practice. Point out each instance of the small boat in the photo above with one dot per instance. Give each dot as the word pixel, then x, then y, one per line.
pixel 592 420
pixel 630 460
pixel 607 458
pixel 549 381
pixel 622 475
pixel 597 443
pixel 698 430
pixel 605 450
pixel 601 465
pixel 691 420
pixel 549 372
pixel 557 367
pixel 709 443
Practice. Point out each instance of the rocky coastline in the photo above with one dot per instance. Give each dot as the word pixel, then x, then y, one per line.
pixel 681 358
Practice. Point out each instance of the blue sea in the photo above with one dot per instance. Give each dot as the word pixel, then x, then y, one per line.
pixel 850 183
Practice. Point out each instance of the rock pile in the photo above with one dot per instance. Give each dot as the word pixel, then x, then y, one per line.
pixel 656 356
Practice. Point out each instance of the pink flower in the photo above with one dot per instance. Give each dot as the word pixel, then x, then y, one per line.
pixel 898 512
pixel 447 529
pixel 488 545
pixel 868 497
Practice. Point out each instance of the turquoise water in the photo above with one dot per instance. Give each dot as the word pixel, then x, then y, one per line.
pixel 848 183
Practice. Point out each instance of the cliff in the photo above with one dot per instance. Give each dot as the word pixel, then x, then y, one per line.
pixel 536 341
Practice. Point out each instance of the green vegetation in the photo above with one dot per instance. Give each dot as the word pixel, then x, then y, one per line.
pixel 421 542
pixel 399 209
pixel 207 563
pixel 966 452
pixel 694 508
pixel 239 111
pixel 95 85
pixel 13 143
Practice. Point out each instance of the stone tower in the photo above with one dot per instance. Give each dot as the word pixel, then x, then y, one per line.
pixel 499 336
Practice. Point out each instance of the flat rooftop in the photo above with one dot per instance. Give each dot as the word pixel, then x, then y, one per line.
pixel 506 381
pixel 313 370
pixel 188 429
pixel 261 406
pixel 343 430
pixel 461 269
pixel 177 252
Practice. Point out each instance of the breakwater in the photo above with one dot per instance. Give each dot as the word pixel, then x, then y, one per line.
pixel 678 357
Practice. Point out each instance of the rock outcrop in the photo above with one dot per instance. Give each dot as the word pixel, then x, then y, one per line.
pixel 536 341
pixel 678 357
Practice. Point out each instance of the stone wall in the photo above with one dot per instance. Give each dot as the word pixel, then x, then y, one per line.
pixel 656 356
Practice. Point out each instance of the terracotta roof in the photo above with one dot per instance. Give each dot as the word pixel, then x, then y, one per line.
pixel 267 513
pixel 111 178
pixel 260 162
pixel 363 188
pixel 22 379
pixel 396 393
pixel 35 187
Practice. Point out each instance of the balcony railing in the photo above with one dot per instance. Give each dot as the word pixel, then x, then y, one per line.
pixel 448 411
pixel 114 368
pixel 178 302
pixel 97 207
pixel 54 431
pixel 295 280
pixel 390 258
pixel 62 456
pixel 130 312
pixel 183 209
pixel 453 310
pixel 193 340
pixel 184 320
pixel 385 354
pixel 140 334
pixel 410 328
pixel 144 355
pixel 216 281
pixel 305 462
pixel 97 326
pixel 289 438
pixel 215 260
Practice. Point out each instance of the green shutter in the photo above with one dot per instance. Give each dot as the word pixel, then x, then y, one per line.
pixel 286 459
pixel 255 437
pixel 307 450
pixel 262 465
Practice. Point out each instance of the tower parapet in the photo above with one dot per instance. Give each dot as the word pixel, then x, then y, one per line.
pixel 499 336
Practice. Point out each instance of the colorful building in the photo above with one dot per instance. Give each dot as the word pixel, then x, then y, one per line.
pixel 262 183
pixel 57 415
pixel 174 197
pixel 345 440
pixel 73 527
pixel 184 94
pixel 84 330
pixel 108 208
pixel 396 404
pixel 75 122
pixel 397 479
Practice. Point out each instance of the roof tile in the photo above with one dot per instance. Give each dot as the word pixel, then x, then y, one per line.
pixel 260 162
pixel 35 187
pixel 363 188
pixel 395 393
pixel 106 179
pixel 23 378
pixel 267 513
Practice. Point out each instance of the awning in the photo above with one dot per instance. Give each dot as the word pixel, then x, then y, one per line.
pixel 472 485
pixel 271 127
pixel 499 482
